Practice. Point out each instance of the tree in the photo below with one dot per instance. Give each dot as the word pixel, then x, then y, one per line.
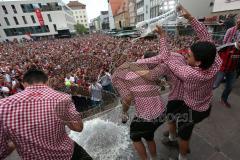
pixel 80 29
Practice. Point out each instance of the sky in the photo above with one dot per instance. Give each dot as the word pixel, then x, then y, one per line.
pixel 93 7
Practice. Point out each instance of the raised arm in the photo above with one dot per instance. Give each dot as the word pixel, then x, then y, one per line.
pixel 164 52
pixel 151 75
pixel 199 28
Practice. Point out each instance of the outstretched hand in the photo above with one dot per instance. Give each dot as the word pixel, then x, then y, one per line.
pixel 160 31
pixel 184 12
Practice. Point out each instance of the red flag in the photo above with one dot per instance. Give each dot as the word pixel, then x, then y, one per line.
pixel 39 16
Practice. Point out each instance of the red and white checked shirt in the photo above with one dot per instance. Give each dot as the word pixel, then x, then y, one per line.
pixel 231 35
pixel 148 102
pixel 176 91
pixel 34 120
pixel 197 83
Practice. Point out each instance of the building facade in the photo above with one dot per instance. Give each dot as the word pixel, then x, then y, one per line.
pixel 132 12
pixel 79 12
pixel 104 20
pixel 122 16
pixel 95 24
pixel 158 7
pixel 146 9
pixel 34 18
pixel 139 11
pixel 113 7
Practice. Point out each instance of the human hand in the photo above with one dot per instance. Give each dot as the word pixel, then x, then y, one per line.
pixel 11 146
pixel 160 31
pixel 183 12
pixel 124 117
pixel 142 72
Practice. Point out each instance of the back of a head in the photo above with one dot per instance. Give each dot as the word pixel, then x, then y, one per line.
pixel 205 52
pixel 35 76
pixel 74 90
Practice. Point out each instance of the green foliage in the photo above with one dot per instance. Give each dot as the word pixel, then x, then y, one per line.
pixel 80 29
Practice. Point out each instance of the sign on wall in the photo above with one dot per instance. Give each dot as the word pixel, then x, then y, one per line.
pixel 225 5
pixel 39 16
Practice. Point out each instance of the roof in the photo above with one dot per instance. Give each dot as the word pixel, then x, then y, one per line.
pixel 123 7
pixel 115 5
pixel 76 5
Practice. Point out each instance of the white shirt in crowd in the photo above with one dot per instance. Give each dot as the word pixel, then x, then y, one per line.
pixel 71 79
pixel 106 79
pixel 96 91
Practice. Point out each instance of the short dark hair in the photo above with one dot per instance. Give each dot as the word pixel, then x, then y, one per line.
pixel 34 76
pixel 205 52
pixel 149 54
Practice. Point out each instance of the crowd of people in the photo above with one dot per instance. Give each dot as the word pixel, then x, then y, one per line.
pixel 33 69
pixel 77 61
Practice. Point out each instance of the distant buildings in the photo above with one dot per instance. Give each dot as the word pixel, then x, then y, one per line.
pixel 79 12
pixel 35 18
pixel 121 16
pixel 104 20
pixel 95 24
pixel 101 22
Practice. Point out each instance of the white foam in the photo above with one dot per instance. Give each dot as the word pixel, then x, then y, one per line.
pixel 104 140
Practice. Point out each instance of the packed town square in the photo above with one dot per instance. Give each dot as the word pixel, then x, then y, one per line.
pixel 170 94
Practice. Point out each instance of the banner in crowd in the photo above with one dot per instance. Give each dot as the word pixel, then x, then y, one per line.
pixel 39 16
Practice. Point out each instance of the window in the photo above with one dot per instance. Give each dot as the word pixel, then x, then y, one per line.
pixel 23 8
pixel 165 8
pixel 33 19
pixel 55 27
pixel 76 16
pixel 29 8
pixel 16 21
pixel 14 9
pixel 171 2
pixel 77 21
pixel 49 18
pixel 24 20
pixel 140 18
pixel 40 5
pixel 6 20
pixel 4 9
pixel 24 30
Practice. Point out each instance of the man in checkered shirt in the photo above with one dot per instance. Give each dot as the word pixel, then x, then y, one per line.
pixel 197 75
pixel 33 121
pixel 149 105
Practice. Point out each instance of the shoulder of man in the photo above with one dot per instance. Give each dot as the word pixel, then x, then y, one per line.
pixel 59 94
pixel 225 47
pixel 231 29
